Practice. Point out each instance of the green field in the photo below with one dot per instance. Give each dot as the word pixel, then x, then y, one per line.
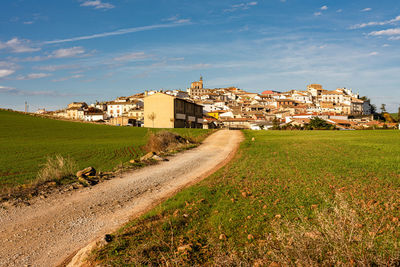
pixel 27 141
pixel 289 197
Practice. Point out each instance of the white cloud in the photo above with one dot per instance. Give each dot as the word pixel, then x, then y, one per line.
pixel 376 23
pixel 317 13
pixel 366 9
pixel 132 56
pixel 97 4
pixel 77 76
pixel 324 8
pixel 56 67
pixel 18 46
pixel 68 52
pixel 15 91
pixel 373 53
pixel 388 32
pixel 121 32
pixel 241 6
pixel 6 72
pixel 32 76
pixel 393 38
pixel 339 10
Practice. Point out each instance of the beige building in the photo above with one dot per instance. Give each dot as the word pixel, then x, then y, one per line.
pixel 166 111
pixel 75 113
pixel 315 90
pixel 137 114
pixel 197 89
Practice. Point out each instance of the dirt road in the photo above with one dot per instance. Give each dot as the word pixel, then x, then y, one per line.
pixel 50 230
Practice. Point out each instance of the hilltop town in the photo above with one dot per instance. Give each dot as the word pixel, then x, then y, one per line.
pixel 231 107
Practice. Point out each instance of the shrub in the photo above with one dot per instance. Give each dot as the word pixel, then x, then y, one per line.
pixel 164 141
pixel 55 169
pixel 336 236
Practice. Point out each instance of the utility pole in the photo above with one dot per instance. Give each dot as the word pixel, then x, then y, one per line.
pixel 26 107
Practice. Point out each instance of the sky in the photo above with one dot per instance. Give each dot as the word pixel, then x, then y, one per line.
pixel 56 52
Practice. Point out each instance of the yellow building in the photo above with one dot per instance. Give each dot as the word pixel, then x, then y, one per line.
pixel 166 111
pixel 216 113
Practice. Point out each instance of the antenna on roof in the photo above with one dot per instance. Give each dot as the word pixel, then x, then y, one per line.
pixel 201 77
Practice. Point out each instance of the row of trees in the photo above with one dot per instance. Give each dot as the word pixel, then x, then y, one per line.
pixel 315 123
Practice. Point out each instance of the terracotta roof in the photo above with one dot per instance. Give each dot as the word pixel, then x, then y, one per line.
pixel 268 92
pixel 237 119
pixel 343 122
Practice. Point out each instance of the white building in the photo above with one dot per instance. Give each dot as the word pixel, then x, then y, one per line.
pixel 94 116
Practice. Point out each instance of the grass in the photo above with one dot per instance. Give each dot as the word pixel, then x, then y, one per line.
pixel 26 142
pixel 289 197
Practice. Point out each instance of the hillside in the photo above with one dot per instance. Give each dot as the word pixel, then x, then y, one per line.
pixel 27 141
pixel 289 198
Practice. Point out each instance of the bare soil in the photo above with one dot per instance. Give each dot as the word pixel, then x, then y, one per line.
pixel 53 229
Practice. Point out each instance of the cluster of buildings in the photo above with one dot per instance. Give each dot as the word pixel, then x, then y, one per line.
pixel 231 107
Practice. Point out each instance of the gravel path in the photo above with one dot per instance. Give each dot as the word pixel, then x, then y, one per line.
pixel 51 229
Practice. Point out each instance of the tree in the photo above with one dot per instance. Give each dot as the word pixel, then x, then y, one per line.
pixel 383 108
pixel 398 116
pixel 373 109
pixel 317 123
pixel 276 124
pixel 152 117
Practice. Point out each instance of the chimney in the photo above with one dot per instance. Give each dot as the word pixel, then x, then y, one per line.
pixel 146 93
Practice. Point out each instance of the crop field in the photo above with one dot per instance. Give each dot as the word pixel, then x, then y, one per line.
pixel 26 142
pixel 288 197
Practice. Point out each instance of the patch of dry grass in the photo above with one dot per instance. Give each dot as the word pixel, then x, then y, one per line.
pixel 337 235
pixel 55 169
pixel 164 141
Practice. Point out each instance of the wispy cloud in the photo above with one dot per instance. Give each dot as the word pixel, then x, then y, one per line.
pixel 366 9
pixel 97 4
pixel 241 6
pixel 33 19
pixel 16 45
pixel 388 32
pixel 68 52
pixel 132 56
pixel 76 51
pixel 6 72
pixel 319 13
pixel 376 23
pixel 32 76
pixel 15 91
pixel 57 67
pixel 121 32
pixel 77 76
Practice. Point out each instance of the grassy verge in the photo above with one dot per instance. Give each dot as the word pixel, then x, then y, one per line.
pixel 27 144
pixel 293 198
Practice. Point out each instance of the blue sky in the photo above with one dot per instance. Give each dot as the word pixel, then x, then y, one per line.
pixel 56 52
